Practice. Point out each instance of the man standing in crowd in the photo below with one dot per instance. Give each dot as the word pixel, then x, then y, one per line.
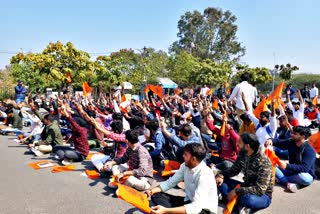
pixel 247 89
pixel 255 192
pixel 313 91
pixel 305 92
pixel 291 91
pixel 200 186
pixel 20 91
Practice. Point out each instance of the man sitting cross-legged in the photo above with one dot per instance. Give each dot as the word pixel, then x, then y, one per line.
pixel 200 186
pixel 256 190
pixel 140 168
pixel 300 171
pixel 67 154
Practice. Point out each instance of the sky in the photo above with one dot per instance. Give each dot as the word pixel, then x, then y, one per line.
pixel 273 31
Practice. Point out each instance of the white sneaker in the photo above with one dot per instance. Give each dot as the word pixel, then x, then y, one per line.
pixel 56 157
pixel 291 187
pixel 36 152
pixel 244 210
pixel 65 162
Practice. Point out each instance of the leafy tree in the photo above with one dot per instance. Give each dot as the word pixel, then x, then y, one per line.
pixel 286 71
pixel 211 35
pixel 54 63
pixel 259 75
pixel 212 73
pixel 181 67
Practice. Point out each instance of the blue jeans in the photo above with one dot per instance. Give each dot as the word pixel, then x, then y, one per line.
pixel 251 201
pixel 303 178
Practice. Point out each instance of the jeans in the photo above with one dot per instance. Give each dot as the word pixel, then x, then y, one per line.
pixel 303 178
pixel 251 201
pixel 65 152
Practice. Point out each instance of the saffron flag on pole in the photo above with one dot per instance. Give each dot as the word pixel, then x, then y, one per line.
pixel 157 90
pixel 262 106
pixel 276 93
pixel 215 104
pixel 68 77
pixel 315 100
pixel 86 89
pixel 224 124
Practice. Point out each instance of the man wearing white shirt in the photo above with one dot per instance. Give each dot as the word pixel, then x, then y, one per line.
pixel 204 90
pixel 313 91
pixel 297 108
pixel 266 126
pixel 247 89
pixel 200 186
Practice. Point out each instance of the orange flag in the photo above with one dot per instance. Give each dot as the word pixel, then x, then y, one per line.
pixel 262 106
pixel 314 141
pixel 68 77
pixel 224 124
pixel 177 91
pixel 170 167
pixel 63 168
pixel 276 105
pixel 41 164
pixel 315 100
pixel 86 89
pixel 91 154
pixel 276 93
pixel 209 92
pixel 232 203
pixel 114 180
pixel 92 174
pixel 157 90
pixel 274 161
pixel 215 104
pixel 147 89
pixel 123 98
pixel 134 197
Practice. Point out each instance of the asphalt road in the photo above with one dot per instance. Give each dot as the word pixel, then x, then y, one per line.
pixel 29 191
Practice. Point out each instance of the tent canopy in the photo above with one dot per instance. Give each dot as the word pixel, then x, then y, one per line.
pixel 127 85
pixel 167 83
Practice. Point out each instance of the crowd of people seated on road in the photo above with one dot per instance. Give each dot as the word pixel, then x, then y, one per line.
pixel 213 137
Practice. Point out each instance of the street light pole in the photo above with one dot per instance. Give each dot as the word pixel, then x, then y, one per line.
pixel 274 70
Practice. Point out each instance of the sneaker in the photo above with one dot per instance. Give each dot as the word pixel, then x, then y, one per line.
pixel 244 210
pixel 56 157
pixel 65 162
pixel 291 187
pixel 36 152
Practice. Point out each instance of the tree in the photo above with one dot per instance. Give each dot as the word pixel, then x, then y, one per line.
pixel 258 75
pixel 212 73
pixel 211 35
pixel 286 70
pixel 55 62
pixel 181 67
